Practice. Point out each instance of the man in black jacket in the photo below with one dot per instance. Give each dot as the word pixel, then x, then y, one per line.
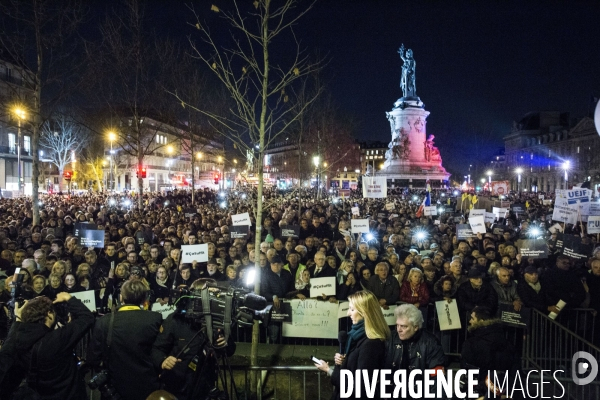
pixel 276 284
pixel 57 374
pixel 321 269
pixel 129 358
pixel 476 292
pixel 531 292
pixel 563 284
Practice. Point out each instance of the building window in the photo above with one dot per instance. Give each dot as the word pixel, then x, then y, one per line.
pixel 531 156
pixel 12 143
pixel 577 149
pixel 27 144
pixel 157 138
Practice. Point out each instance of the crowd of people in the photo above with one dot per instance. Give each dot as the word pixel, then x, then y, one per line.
pixel 406 258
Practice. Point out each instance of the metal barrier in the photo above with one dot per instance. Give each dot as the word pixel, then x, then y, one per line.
pixel 580 321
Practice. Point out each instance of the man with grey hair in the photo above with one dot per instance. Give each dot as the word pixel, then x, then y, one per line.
pixel 506 288
pixel 412 347
pixel 30 265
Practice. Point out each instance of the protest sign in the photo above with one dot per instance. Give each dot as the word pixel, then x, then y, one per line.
pixel 489 217
pixel 541 196
pixel 390 206
pixel 564 214
pixel 518 208
pixel 547 202
pixel 518 319
pixel 194 252
pixel 164 310
pixel 343 309
pixel 498 229
pixel 389 316
pixel 430 210
pixel 292 231
pixel 284 314
pixel 464 231
pixel 374 187
pixel 574 248
pixel 88 298
pixel 91 238
pixel 593 224
pixel 322 286
pixel 500 212
pixel 447 315
pixel 79 226
pixel 477 212
pixel 355 211
pixel 241 219
pixel 238 232
pixel 359 226
pixel 312 319
pixel 477 224
pixel 534 248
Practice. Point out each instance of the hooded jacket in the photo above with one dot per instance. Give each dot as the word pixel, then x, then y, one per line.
pixel 439 293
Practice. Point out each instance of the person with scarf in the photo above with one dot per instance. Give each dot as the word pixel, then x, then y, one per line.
pixel 346 281
pixel 365 345
pixel 161 285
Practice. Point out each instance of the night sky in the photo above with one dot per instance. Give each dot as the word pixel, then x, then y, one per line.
pixel 480 65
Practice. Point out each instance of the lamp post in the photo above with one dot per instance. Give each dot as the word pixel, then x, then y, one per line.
pixel 316 160
pixel 566 165
pixel 222 162
pixel 20 113
pixel 489 174
pixel 519 171
pixel 111 176
pixel 169 163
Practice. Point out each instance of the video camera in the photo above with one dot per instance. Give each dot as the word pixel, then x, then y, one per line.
pixel 219 307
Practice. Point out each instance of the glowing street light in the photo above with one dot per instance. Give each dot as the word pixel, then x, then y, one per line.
pixel 566 165
pixel 20 113
pixel 519 171
pixel 489 174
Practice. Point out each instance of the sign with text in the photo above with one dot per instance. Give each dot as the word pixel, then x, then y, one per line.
pixel 359 226
pixel 194 252
pixel 447 315
pixel 518 319
pixel 238 232
pixel 288 231
pixel 464 231
pixel 374 187
pixel 355 211
pixel 241 219
pixel 390 206
pixel 312 319
pixel 80 226
pixel 477 224
pixel 284 314
pixel 564 214
pixel 343 309
pixel 91 238
pixel 534 248
pixel 88 298
pixel 389 316
pixel 430 211
pixel 322 286
pixel 593 224
pixel 574 248
pixel 500 212
pixel 518 208
pixel 164 310
pixel 477 212
pixel 489 217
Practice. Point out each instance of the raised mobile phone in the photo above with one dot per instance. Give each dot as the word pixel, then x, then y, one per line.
pixel 315 360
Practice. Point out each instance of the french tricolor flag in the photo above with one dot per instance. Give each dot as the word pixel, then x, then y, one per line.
pixel 426 201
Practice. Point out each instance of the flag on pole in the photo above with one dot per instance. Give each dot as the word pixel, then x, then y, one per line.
pixel 426 201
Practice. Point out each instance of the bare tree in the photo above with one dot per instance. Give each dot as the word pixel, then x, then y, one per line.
pixel 61 138
pixel 259 82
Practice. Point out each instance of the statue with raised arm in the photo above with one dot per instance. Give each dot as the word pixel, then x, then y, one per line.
pixel 408 82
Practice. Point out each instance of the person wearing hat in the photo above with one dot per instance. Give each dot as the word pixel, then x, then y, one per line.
pixel 293 265
pixel 212 271
pixel 276 284
pixel 531 293
pixel 476 292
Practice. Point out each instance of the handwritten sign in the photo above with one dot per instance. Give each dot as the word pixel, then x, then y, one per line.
pixel 241 219
pixel 88 298
pixel 194 252
pixel 359 226
pixel 312 319
pixel 164 310
pixel 447 314
pixel 477 224
pixel 322 286
pixel 355 211
pixel 429 211
pixel 374 187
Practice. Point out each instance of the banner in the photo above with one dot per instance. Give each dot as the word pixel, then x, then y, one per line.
pixel 572 247
pixel 477 224
pixel 322 286
pixel 447 314
pixel 359 226
pixel 534 248
pixel 312 319
pixel 241 219
pixel 292 231
pixel 194 252
pixel 88 298
pixel 564 214
pixel 91 238
pixel 374 187
pixel 593 224
pixel 500 188
pixel 464 231
pixel 430 211
pixel 238 232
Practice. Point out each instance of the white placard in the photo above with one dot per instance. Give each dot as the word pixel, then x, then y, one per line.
pixel 477 212
pixel 88 298
pixel 477 224
pixel 322 286
pixel 164 310
pixel 541 196
pixel 500 212
pixel 359 226
pixel 241 219
pixel 389 316
pixel 547 202
pixel 429 211
pixel 355 211
pixel 390 206
pixel 343 309
pixel 194 252
pixel 374 187
pixel 447 315
pixel 564 214
pixel 489 217
pixel 312 319
pixel 593 224
pixel 555 228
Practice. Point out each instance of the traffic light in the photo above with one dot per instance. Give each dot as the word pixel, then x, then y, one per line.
pixel 143 172
pixel 67 175
pixel 137 173
pixel 216 179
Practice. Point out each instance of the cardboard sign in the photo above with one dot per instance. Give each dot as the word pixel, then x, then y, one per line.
pixel 593 224
pixel 238 232
pixel 359 226
pixel 80 226
pixel 477 224
pixel 88 298
pixel 500 212
pixel 489 217
pixel 429 211
pixel 91 238
pixel 564 214
pixel 464 231
pixel 390 206
pixel 164 310
pixel 572 247
pixel 292 231
pixel 322 286
pixel 534 248
pixel 241 219
pixel 447 314
pixel 518 208
pixel 374 187
pixel 355 211
pixel 194 252
pixel 518 319
pixel 477 212
pixel 312 319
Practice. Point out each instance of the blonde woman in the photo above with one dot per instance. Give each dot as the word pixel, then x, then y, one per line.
pixel 365 346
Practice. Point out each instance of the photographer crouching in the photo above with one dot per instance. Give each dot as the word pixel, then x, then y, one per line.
pixel 189 362
pixel 122 342
pixel 42 353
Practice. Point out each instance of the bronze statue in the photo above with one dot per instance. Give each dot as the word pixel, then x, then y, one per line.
pixel 408 81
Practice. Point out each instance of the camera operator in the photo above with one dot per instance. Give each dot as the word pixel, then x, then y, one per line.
pixel 193 374
pixel 130 368
pixel 33 342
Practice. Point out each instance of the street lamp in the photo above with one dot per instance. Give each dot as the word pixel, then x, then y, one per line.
pixel 489 174
pixel 519 171
pixel 20 113
pixel 316 161
pixel 222 162
pixel 111 176
pixel 566 165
